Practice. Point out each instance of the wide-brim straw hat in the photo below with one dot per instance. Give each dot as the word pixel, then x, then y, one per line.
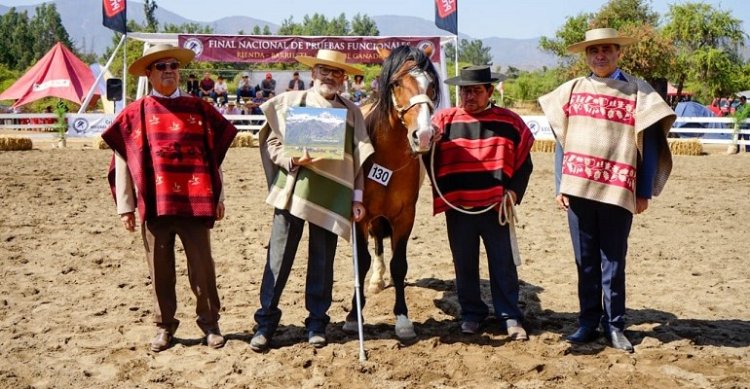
pixel 601 36
pixel 157 52
pixel 475 75
pixel 331 58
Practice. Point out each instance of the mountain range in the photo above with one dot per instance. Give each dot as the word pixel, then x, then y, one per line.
pixel 84 25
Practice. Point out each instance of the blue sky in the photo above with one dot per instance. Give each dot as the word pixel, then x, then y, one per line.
pixel 477 18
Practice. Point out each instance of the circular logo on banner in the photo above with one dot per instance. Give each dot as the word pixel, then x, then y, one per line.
pixel 80 125
pixel 426 46
pixel 534 127
pixel 194 44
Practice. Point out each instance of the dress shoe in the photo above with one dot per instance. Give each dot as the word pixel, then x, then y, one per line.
pixel 317 339
pixel 583 335
pixel 214 339
pixel 469 327
pixel 619 340
pixel 162 340
pixel 259 342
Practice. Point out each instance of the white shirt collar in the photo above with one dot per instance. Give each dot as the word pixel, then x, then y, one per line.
pixel 172 96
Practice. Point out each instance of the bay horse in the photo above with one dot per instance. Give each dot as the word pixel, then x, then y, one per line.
pixel 399 126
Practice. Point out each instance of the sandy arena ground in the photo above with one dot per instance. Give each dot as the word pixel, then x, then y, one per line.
pixel 75 308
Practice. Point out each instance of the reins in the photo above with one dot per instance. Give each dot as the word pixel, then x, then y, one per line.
pixel 505 216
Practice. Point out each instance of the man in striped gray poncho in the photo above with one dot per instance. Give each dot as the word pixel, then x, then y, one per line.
pixel 326 193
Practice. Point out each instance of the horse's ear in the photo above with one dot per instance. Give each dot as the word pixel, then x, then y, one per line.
pixel 428 51
pixel 383 53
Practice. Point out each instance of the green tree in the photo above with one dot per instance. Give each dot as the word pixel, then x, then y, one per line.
pixel 450 53
pixel 188 28
pixel 362 25
pixel 149 9
pixel 267 30
pixel 707 41
pixel 474 52
pixel 650 58
pixel 17 40
pixel 48 30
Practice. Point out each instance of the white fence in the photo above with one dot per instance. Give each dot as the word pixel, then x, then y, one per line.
pixel 93 124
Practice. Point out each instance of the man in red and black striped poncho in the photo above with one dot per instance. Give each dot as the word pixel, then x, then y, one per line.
pixel 482 154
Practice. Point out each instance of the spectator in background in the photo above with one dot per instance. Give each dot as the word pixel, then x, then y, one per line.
pixel 268 85
pixel 192 86
pixel 231 109
pixel 206 87
pixel 221 91
pixel 245 91
pixel 374 85
pixel 295 83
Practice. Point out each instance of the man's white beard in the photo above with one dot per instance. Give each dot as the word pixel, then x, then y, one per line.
pixel 324 90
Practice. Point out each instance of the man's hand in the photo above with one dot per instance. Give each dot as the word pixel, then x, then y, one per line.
pixel 305 159
pixel 641 204
pixel 220 211
pixel 128 221
pixel 358 211
pixel 562 202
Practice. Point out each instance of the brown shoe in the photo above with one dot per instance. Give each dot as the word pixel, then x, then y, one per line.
pixel 162 340
pixel 215 340
pixel 517 333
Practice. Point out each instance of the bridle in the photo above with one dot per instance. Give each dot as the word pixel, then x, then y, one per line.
pixel 415 100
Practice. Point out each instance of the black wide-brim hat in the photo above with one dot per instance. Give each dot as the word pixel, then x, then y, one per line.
pixel 475 75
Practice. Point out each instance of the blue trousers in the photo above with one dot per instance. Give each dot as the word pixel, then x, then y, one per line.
pixel 464 232
pixel 286 232
pixel 599 233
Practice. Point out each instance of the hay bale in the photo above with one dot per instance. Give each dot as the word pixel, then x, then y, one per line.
pixel 101 144
pixel 543 146
pixel 13 143
pixel 685 147
pixel 244 139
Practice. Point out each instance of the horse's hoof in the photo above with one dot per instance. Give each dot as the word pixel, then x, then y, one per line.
pixel 404 328
pixel 350 327
pixel 376 287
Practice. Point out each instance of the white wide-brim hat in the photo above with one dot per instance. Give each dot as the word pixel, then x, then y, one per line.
pixel 601 36
pixel 331 58
pixel 157 52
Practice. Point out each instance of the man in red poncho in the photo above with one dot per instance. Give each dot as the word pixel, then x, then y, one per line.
pixel 169 147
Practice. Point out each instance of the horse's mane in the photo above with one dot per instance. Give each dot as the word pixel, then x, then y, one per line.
pixel 393 69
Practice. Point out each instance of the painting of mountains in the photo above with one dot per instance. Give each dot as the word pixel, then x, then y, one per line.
pixel 320 131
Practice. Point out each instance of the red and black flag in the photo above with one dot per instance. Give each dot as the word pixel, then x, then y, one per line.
pixel 115 18
pixel 446 15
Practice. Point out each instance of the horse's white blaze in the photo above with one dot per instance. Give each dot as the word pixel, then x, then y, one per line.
pixel 424 127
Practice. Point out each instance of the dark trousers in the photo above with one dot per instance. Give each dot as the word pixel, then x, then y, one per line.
pixel 599 233
pixel 159 239
pixel 464 232
pixel 286 232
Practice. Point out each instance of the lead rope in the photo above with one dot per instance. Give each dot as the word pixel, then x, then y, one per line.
pixel 506 215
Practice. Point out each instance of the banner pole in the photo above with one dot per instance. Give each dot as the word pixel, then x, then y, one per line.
pixel 456 70
pixel 86 101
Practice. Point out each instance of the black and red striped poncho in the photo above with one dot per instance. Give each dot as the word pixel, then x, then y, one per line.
pixel 479 157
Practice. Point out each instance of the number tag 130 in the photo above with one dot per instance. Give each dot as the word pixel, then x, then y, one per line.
pixel 380 174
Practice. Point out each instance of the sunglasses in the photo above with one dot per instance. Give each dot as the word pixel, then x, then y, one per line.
pixel 162 66
pixel 324 71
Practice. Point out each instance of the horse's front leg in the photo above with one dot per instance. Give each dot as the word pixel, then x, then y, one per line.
pixel 363 263
pixel 377 278
pixel 399 267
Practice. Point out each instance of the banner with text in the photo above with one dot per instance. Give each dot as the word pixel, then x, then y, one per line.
pixel 88 124
pixel 283 49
